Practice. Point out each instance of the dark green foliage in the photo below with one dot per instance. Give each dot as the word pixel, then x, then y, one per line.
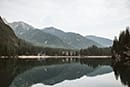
pixel 121 46
pixel 27 49
pixel 115 48
pixel 35 50
pixel 95 51
pixel 8 40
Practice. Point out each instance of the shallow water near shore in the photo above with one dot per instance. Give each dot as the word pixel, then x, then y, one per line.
pixel 59 72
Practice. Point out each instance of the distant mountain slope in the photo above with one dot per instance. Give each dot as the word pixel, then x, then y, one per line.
pixel 36 36
pixel 20 28
pixel 51 37
pixel 103 41
pixel 8 39
pixel 73 39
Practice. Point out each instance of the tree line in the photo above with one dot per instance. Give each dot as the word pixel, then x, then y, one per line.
pixel 95 51
pixel 28 49
pixel 121 45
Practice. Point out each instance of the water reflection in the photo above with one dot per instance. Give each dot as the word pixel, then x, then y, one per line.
pixel 105 80
pixel 122 72
pixel 51 72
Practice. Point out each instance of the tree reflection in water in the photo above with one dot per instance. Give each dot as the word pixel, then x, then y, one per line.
pixel 122 72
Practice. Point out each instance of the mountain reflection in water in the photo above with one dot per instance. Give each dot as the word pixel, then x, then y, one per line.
pixel 57 73
pixel 105 80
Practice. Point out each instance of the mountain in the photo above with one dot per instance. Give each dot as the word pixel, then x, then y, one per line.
pixel 8 40
pixel 103 41
pixel 73 39
pixel 36 36
pixel 5 21
pixel 20 27
pixel 51 37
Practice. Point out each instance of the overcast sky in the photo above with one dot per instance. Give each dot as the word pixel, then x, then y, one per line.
pixel 88 17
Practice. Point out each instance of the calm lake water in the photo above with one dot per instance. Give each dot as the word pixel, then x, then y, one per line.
pixel 62 72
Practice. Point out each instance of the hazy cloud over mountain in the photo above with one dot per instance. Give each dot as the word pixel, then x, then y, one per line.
pixel 98 17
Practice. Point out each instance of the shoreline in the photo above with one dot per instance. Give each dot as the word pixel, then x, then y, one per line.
pixel 44 57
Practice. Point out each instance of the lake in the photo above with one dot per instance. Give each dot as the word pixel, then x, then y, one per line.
pixel 62 72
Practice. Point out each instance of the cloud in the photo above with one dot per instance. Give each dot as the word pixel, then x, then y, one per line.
pixel 102 17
